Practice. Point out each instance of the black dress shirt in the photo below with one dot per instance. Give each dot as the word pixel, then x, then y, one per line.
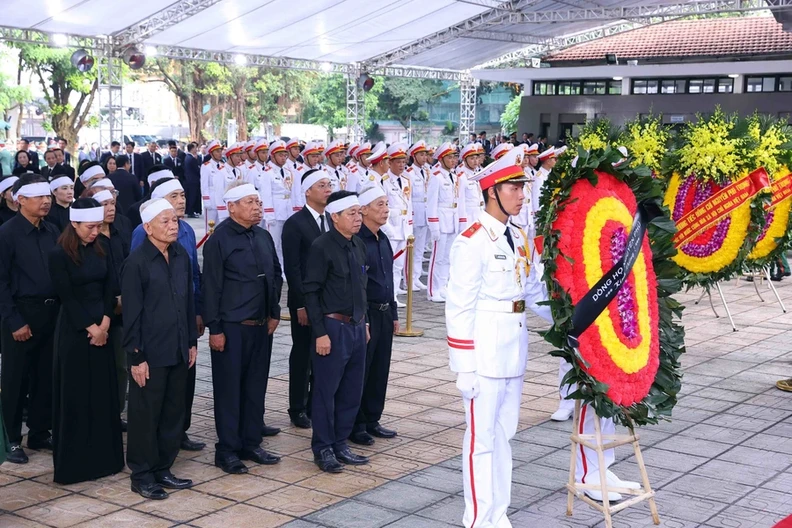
pixel 299 232
pixel 58 216
pixel 379 261
pixel 24 265
pixel 328 279
pixel 6 214
pixel 242 278
pixel 159 311
pixel 117 249
pixel 84 289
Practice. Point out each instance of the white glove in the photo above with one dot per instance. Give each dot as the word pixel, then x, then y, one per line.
pixel 468 384
pixel 434 235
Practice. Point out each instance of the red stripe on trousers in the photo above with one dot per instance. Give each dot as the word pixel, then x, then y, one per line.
pixel 583 453
pixel 431 269
pixel 472 480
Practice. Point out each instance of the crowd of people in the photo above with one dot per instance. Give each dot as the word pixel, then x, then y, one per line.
pixel 104 295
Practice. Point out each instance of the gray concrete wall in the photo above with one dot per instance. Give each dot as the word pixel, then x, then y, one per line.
pixel 676 108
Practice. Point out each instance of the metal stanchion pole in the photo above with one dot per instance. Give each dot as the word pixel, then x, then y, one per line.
pixel 407 330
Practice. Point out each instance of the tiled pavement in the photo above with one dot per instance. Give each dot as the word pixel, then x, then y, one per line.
pixel 723 462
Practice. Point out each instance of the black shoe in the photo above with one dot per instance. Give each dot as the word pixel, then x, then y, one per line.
pixel 787 273
pixel 749 278
pixel 380 432
pixel 123 426
pixel 346 456
pixel 16 455
pixel 40 444
pixel 776 278
pixel 259 456
pixel 231 465
pixel 151 491
pixel 190 445
pixel 266 430
pixel 361 438
pixel 301 421
pixel 327 461
pixel 171 482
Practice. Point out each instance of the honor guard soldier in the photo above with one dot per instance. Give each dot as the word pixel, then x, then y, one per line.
pixel 352 161
pixel 469 190
pixel 312 154
pixel 492 282
pixel 255 172
pixel 383 317
pixel 295 158
pixel 335 298
pixel 547 159
pixel 279 200
pixel 443 210
pixel 400 219
pixel 242 290
pixel 524 220
pixel 334 165
pixel 214 179
pixel 361 175
pixel 251 155
pixel 418 172
pixel 379 163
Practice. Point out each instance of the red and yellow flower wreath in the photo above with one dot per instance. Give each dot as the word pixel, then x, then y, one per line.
pixel 627 361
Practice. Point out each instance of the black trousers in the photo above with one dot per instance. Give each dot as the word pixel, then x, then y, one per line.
pixel 189 396
pixel 239 380
pixel 378 360
pixel 300 373
pixel 155 418
pixel 192 192
pixel 338 385
pixel 27 371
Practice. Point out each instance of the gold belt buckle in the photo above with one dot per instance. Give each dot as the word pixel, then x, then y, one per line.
pixel 518 306
pixel 454 206
pixel 404 212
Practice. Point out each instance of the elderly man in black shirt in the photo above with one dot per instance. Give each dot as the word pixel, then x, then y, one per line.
pixel 160 339
pixel 29 309
pixel 335 298
pixel 242 289
pixel 383 317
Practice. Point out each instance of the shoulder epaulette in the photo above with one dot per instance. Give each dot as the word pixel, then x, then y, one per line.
pixel 435 173
pixel 353 171
pixel 467 233
pixel 267 167
pixel 207 162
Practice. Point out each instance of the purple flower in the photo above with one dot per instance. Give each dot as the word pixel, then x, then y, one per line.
pixel 624 299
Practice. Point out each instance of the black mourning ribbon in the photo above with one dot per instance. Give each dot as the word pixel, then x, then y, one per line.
pixel 601 294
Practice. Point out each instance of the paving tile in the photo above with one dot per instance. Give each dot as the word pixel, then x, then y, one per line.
pixel 295 501
pixel 27 493
pixel 436 478
pixel 717 434
pixel 346 484
pixel 402 497
pixel 732 472
pixel 68 511
pixel 448 511
pixel 757 457
pixel 693 446
pixel 742 517
pixel 414 521
pixel 242 515
pixel 687 508
pixel 183 506
pixel 353 514
pixel 709 488
pixel 782 482
pixel 239 488
pixel 662 458
pixel 768 501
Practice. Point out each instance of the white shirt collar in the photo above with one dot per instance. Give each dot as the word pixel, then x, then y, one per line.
pixel 314 213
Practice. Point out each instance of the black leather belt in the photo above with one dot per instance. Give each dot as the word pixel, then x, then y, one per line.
pixel 254 322
pixel 380 307
pixel 37 300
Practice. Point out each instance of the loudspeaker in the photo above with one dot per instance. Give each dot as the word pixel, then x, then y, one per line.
pixel 81 60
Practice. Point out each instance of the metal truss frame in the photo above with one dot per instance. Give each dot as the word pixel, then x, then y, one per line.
pixel 354 103
pixel 109 76
pixel 160 21
pixel 33 36
pixel 467 109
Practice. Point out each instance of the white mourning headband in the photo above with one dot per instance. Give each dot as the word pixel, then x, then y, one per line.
pixel 102 196
pixel 166 188
pixel 92 214
pixel 160 174
pixel 90 172
pixel 154 208
pixel 369 195
pixel 31 190
pixel 60 182
pixel 313 178
pixel 343 203
pixel 235 194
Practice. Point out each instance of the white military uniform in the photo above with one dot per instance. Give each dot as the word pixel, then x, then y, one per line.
pixel 298 198
pixel 400 220
pixel 470 194
pixel 525 219
pixel 338 177
pixel 443 210
pixel 277 200
pixel 418 178
pixel 215 178
pixel 490 286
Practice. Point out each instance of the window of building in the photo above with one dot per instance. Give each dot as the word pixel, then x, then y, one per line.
pixel 785 84
pixel 760 84
pixel 699 86
pixel 725 85
pixel 646 86
pixel 594 87
pixel 568 87
pixel 672 86
pixel 544 88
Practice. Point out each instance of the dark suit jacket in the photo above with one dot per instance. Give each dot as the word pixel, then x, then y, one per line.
pixel 192 170
pixel 46 172
pixel 138 166
pixel 150 160
pixel 34 159
pixel 106 156
pixel 67 158
pixel 176 166
pixel 128 187
pixel 299 232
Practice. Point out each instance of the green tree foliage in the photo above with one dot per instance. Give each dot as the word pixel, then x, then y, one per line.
pixel 69 93
pixel 11 95
pixel 510 115
pixel 402 98
pixel 327 103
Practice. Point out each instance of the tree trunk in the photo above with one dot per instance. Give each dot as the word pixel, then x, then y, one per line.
pixel 195 117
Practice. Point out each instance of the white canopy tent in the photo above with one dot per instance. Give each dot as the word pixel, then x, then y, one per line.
pixel 441 39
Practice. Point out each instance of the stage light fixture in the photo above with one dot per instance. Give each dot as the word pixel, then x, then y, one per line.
pixel 82 60
pixel 365 82
pixel 60 40
pixel 134 58
pixel 240 60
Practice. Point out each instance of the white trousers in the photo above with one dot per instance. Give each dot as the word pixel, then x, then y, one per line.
pixel 439 265
pixel 421 234
pixel 486 453
pixel 275 227
pixel 564 390
pixel 587 462
pixel 399 248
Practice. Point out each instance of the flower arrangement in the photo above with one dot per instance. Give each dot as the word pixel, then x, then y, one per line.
pixel 646 138
pixel 716 203
pixel 626 363
pixel 595 135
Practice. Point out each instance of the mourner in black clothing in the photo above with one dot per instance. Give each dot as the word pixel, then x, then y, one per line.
pixel 89 172
pixel 115 237
pixel 29 309
pixel 25 161
pixel 242 289
pixel 335 298
pixel 62 197
pixel 383 318
pixel 155 173
pixel 299 232
pixel 126 184
pixel 160 339
pixel 192 180
pixel 86 432
pixel 8 207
